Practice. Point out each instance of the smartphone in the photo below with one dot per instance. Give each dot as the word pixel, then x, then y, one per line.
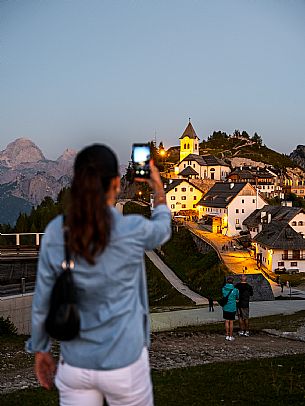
pixel 140 160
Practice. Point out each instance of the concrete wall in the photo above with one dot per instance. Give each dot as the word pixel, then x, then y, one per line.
pixel 18 308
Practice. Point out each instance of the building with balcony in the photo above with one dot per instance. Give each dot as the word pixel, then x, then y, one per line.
pixel 278 245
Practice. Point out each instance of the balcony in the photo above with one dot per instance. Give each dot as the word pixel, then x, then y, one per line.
pixel 293 256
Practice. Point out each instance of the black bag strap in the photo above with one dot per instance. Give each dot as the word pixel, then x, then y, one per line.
pixel 68 263
pixel 229 293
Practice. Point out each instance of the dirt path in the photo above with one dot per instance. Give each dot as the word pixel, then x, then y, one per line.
pixel 176 350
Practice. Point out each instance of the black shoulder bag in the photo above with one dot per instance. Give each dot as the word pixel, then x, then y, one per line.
pixel 63 321
pixel 224 300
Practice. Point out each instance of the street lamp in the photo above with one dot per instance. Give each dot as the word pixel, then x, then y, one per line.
pixel 140 194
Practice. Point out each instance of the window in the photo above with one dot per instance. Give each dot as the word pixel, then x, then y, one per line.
pixel 253 200
pixel 184 206
pixel 194 165
pixel 300 223
pixel 294 223
pixel 242 210
pixel 237 221
pixel 183 197
pixel 302 191
pixel 191 189
pixel 172 206
pixel 173 197
pixel 280 264
pixel 195 197
pixel 183 189
pixel 176 189
pixel 196 146
pixel 243 200
pixel 237 210
pixel 194 206
pixel 293 264
pixel 184 165
pixel 188 146
pixel 184 146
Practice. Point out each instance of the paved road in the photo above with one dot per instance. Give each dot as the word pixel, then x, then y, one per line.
pixel 174 280
pixel 170 320
pixel 237 259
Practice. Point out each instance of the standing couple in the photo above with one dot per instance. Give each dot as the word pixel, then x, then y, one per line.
pixel 238 302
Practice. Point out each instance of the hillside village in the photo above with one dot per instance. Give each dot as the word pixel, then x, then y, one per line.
pixel 232 200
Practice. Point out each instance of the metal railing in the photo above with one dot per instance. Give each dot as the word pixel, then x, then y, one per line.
pixel 293 256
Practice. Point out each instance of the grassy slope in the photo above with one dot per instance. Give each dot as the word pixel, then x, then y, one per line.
pixel 203 273
pixel 160 291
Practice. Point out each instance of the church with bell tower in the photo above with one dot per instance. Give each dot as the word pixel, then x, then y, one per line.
pixel 189 142
pixel 192 165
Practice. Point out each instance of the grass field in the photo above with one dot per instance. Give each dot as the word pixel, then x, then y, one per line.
pixel 274 382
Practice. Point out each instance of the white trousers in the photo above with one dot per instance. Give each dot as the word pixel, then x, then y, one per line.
pixel 128 386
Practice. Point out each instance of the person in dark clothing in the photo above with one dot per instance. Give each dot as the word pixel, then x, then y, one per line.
pixel 211 304
pixel 245 292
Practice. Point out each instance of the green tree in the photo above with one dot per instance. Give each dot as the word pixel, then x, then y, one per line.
pixel 257 138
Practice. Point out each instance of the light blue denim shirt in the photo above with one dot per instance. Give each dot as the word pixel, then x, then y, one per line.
pixel 112 294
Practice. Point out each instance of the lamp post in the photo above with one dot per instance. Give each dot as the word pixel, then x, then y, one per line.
pixel 162 154
pixel 140 194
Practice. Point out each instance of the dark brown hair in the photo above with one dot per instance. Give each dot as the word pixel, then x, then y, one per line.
pixel 88 218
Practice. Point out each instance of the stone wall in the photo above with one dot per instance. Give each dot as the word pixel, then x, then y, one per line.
pixel 262 290
pixel 18 309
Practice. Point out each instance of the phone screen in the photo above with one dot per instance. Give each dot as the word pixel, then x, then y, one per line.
pixel 140 158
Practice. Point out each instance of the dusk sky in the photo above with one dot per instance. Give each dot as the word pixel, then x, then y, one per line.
pixel 119 71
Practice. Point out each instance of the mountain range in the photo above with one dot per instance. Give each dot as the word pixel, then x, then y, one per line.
pixel 27 176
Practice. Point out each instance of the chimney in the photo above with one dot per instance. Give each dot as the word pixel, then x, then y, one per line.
pixel 231 185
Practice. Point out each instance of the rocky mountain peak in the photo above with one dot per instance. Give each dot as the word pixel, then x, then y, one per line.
pixel 22 150
pixel 298 155
pixel 68 155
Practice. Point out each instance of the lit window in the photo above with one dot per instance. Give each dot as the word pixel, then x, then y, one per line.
pixel 300 223
pixel 172 206
pixel 183 197
pixel 294 223
pixel 173 197
pixel 194 206
pixel 184 206
pixel 191 189
pixel 293 264
pixel 237 221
